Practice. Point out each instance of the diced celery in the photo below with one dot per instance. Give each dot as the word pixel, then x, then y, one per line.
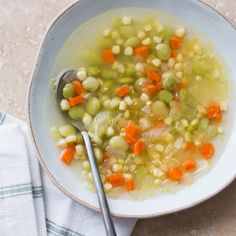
pixel 108 74
pixel 211 130
pixel 125 80
pixel 130 71
pixel 94 59
pixel 94 70
pixel 104 43
pixel 200 68
pixel 187 112
pixel 55 133
pixel 187 98
pixel 204 122
pixel 167 34
pixel 127 31
pixel 117 23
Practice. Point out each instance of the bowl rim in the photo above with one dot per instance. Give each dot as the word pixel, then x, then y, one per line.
pixel 39 156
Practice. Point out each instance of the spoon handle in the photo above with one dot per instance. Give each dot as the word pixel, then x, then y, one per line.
pixel 109 225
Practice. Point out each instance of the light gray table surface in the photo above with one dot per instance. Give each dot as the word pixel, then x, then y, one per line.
pixel 22 26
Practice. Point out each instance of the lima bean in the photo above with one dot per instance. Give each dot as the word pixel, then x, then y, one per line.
pixel 91 84
pixel 92 106
pixel 169 81
pixel 160 109
pixel 67 130
pixel 118 143
pixel 165 96
pixel 132 42
pixel 76 112
pixel 68 91
pixel 163 51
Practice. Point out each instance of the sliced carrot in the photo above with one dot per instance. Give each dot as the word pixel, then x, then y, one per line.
pixel 76 100
pixel 132 129
pixel 116 180
pixel 175 42
pixel 129 184
pixel 175 174
pixel 139 147
pixel 150 89
pixel 153 75
pixel 207 150
pixel 108 56
pixel 123 90
pixel 67 155
pixel 141 51
pixel 159 86
pixel 190 147
pixel 189 164
pixel 218 117
pixel 214 112
pixel 78 87
pixel 174 53
pixel 130 139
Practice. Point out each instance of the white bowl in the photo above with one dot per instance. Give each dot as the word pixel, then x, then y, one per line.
pixel 213 26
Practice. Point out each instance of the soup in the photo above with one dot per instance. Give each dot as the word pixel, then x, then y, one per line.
pixel 152 99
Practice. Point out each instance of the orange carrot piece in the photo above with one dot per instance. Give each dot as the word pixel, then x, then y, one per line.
pixel 76 100
pixel 189 164
pixel 78 87
pixel 174 53
pixel 207 150
pixel 214 112
pixel 141 51
pixel 153 75
pixel 129 138
pixel 150 89
pixel 159 86
pixel 218 117
pixel 175 42
pixel 123 90
pixel 139 147
pixel 116 180
pixel 108 56
pixel 132 129
pixel 129 184
pixel 175 174
pixel 67 155
pixel 190 147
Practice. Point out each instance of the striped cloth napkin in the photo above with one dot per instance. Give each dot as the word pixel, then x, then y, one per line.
pixel 30 205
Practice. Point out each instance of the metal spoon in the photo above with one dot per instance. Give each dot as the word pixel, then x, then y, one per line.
pixel 64 78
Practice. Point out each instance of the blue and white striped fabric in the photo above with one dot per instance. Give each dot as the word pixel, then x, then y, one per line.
pixel 30 205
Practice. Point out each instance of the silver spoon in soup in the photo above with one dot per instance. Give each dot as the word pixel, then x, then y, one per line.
pixel 63 79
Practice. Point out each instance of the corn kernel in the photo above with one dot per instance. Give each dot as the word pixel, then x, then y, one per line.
pixel 116 49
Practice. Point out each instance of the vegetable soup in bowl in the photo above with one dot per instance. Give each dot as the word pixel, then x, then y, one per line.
pixel 154 90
